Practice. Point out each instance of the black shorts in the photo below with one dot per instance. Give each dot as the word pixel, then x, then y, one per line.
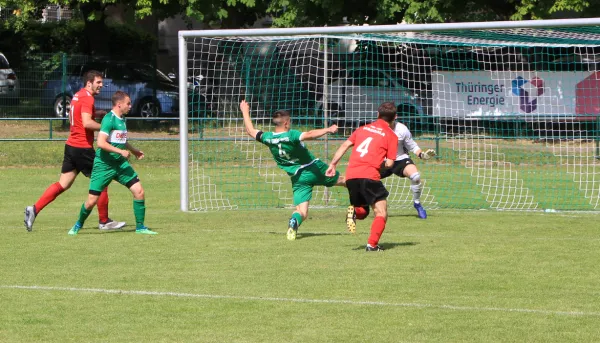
pixel 79 159
pixel 397 168
pixel 366 192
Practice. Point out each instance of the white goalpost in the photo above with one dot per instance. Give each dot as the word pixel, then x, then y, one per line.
pixel 512 108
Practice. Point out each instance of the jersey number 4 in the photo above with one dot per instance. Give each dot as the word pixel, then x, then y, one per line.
pixel 363 147
pixel 282 152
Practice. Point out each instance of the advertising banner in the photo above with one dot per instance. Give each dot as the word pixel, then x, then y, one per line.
pixel 512 93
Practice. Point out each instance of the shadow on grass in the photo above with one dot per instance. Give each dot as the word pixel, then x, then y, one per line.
pixel 302 235
pixel 389 246
pixel 400 215
pixel 96 231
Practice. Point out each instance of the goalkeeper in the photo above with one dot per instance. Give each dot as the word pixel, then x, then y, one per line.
pixel 290 154
pixel 405 167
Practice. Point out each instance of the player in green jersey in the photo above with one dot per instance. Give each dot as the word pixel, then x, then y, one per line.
pixel 111 163
pixel 290 154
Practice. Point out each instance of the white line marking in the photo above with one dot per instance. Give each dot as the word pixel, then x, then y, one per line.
pixel 298 300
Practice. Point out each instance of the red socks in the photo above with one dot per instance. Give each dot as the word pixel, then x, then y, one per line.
pixel 376 230
pixel 103 206
pixel 360 212
pixel 49 195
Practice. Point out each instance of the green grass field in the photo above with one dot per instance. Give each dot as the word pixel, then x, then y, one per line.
pixel 231 276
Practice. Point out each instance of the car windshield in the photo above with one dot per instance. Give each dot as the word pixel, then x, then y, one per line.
pixel 4 63
pixel 146 73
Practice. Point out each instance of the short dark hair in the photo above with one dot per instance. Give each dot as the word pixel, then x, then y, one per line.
pixel 387 111
pixel 280 116
pixel 119 96
pixel 90 76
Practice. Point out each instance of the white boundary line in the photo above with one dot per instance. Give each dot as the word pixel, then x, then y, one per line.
pixel 300 300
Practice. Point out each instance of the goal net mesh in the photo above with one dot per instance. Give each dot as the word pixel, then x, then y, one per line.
pixel 512 114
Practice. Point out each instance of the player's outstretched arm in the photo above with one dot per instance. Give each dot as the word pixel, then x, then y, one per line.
pixel 139 154
pixel 250 130
pixel 314 134
pixel 337 157
pixel 425 155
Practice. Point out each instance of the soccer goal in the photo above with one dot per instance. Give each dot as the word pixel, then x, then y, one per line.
pixel 512 109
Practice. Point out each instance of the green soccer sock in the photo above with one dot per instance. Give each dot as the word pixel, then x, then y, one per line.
pixel 83 214
pixel 139 211
pixel 298 218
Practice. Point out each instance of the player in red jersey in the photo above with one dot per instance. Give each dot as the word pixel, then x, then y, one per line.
pixel 79 152
pixel 373 143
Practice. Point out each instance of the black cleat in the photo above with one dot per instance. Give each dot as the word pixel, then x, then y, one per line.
pixel 375 248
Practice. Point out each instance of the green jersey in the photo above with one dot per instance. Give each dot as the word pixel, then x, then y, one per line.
pixel 116 130
pixel 289 152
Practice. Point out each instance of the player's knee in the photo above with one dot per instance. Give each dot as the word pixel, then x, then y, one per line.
pixel 65 185
pixel 381 212
pixel 415 178
pixel 92 200
pixel 139 193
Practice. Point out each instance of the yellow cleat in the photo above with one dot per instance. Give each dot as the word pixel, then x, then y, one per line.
pixel 351 220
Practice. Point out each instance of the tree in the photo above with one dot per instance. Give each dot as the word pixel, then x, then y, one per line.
pixel 224 13
pixel 333 12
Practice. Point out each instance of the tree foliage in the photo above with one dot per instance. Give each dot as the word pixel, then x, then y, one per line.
pixel 333 12
pixel 288 13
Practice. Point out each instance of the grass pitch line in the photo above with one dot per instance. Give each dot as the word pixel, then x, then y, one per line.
pixel 299 300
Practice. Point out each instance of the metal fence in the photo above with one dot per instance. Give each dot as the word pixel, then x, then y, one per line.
pixel 43 85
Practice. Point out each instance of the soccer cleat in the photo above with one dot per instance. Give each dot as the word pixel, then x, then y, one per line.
pixel 145 231
pixel 420 211
pixel 351 219
pixel 111 225
pixel 373 248
pixel 75 229
pixel 29 217
pixel 292 231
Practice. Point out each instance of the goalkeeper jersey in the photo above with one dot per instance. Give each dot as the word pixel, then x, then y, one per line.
pixel 116 130
pixel 289 152
pixel 405 141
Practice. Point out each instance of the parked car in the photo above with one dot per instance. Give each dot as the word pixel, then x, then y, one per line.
pixel 354 97
pixel 9 84
pixel 138 80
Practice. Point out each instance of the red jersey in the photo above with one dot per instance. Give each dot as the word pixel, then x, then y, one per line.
pixel 80 137
pixel 372 143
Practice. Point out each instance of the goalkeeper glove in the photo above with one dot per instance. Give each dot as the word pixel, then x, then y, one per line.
pixel 427 154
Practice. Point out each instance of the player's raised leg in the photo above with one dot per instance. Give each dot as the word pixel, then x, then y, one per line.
pixel 50 194
pixel 299 215
pixel 351 219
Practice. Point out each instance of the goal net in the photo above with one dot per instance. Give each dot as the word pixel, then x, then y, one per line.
pixel 512 112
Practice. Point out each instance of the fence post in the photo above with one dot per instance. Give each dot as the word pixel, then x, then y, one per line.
pixel 64 88
pixel 50 129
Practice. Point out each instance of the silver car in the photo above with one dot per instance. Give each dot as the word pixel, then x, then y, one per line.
pixel 355 97
pixel 9 84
